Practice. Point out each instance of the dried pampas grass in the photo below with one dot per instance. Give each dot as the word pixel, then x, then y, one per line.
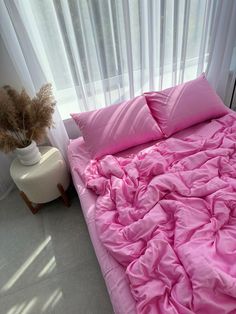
pixel 23 119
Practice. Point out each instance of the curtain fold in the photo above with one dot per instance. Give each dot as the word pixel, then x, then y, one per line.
pixel 221 70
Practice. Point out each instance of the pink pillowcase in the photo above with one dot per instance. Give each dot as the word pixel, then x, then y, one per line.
pixel 117 127
pixel 184 105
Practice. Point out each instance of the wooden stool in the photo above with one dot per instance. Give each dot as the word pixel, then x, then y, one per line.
pixel 44 181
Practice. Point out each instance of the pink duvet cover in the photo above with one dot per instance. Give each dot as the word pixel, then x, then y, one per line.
pixel 168 215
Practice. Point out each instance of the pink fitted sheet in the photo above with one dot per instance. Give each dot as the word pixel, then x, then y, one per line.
pixel 114 275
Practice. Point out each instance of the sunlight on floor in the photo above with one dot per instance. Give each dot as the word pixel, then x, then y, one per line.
pixel 45 305
pixel 52 300
pixel 23 308
pixel 48 268
pixel 16 309
pixel 26 264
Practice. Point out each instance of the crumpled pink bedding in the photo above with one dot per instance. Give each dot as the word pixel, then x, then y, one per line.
pixel 168 215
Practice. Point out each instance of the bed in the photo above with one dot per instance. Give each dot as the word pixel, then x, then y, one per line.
pixel 192 175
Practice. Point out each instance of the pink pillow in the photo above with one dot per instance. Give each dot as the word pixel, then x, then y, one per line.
pixel 117 127
pixel 184 105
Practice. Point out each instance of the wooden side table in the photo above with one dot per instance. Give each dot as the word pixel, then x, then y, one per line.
pixel 44 181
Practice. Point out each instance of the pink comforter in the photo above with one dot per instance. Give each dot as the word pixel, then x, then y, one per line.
pixel 168 215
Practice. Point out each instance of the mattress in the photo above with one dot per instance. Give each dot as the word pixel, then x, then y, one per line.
pixel 114 274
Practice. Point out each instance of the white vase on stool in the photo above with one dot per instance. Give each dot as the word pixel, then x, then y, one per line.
pixel 29 155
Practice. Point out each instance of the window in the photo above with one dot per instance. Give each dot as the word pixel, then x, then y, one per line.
pixel 101 52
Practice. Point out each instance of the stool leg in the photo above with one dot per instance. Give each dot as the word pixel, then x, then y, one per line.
pixel 63 195
pixel 33 209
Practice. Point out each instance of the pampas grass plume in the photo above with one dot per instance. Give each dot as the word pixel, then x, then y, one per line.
pixel 23 119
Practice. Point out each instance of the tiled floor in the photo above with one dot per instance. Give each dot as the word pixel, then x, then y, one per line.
pixel 47 262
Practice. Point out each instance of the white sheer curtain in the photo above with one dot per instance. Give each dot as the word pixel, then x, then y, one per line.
pixel 222 63
pixel 24 57
pixel 100 52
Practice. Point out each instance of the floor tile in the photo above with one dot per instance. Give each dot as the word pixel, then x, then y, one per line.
pixel 12 207
pixel 45 297
pixel 84 290
pixel 70 240
pixel 47 261
pixel 25 252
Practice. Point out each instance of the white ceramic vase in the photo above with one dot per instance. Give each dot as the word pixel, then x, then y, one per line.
pixel 29 155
